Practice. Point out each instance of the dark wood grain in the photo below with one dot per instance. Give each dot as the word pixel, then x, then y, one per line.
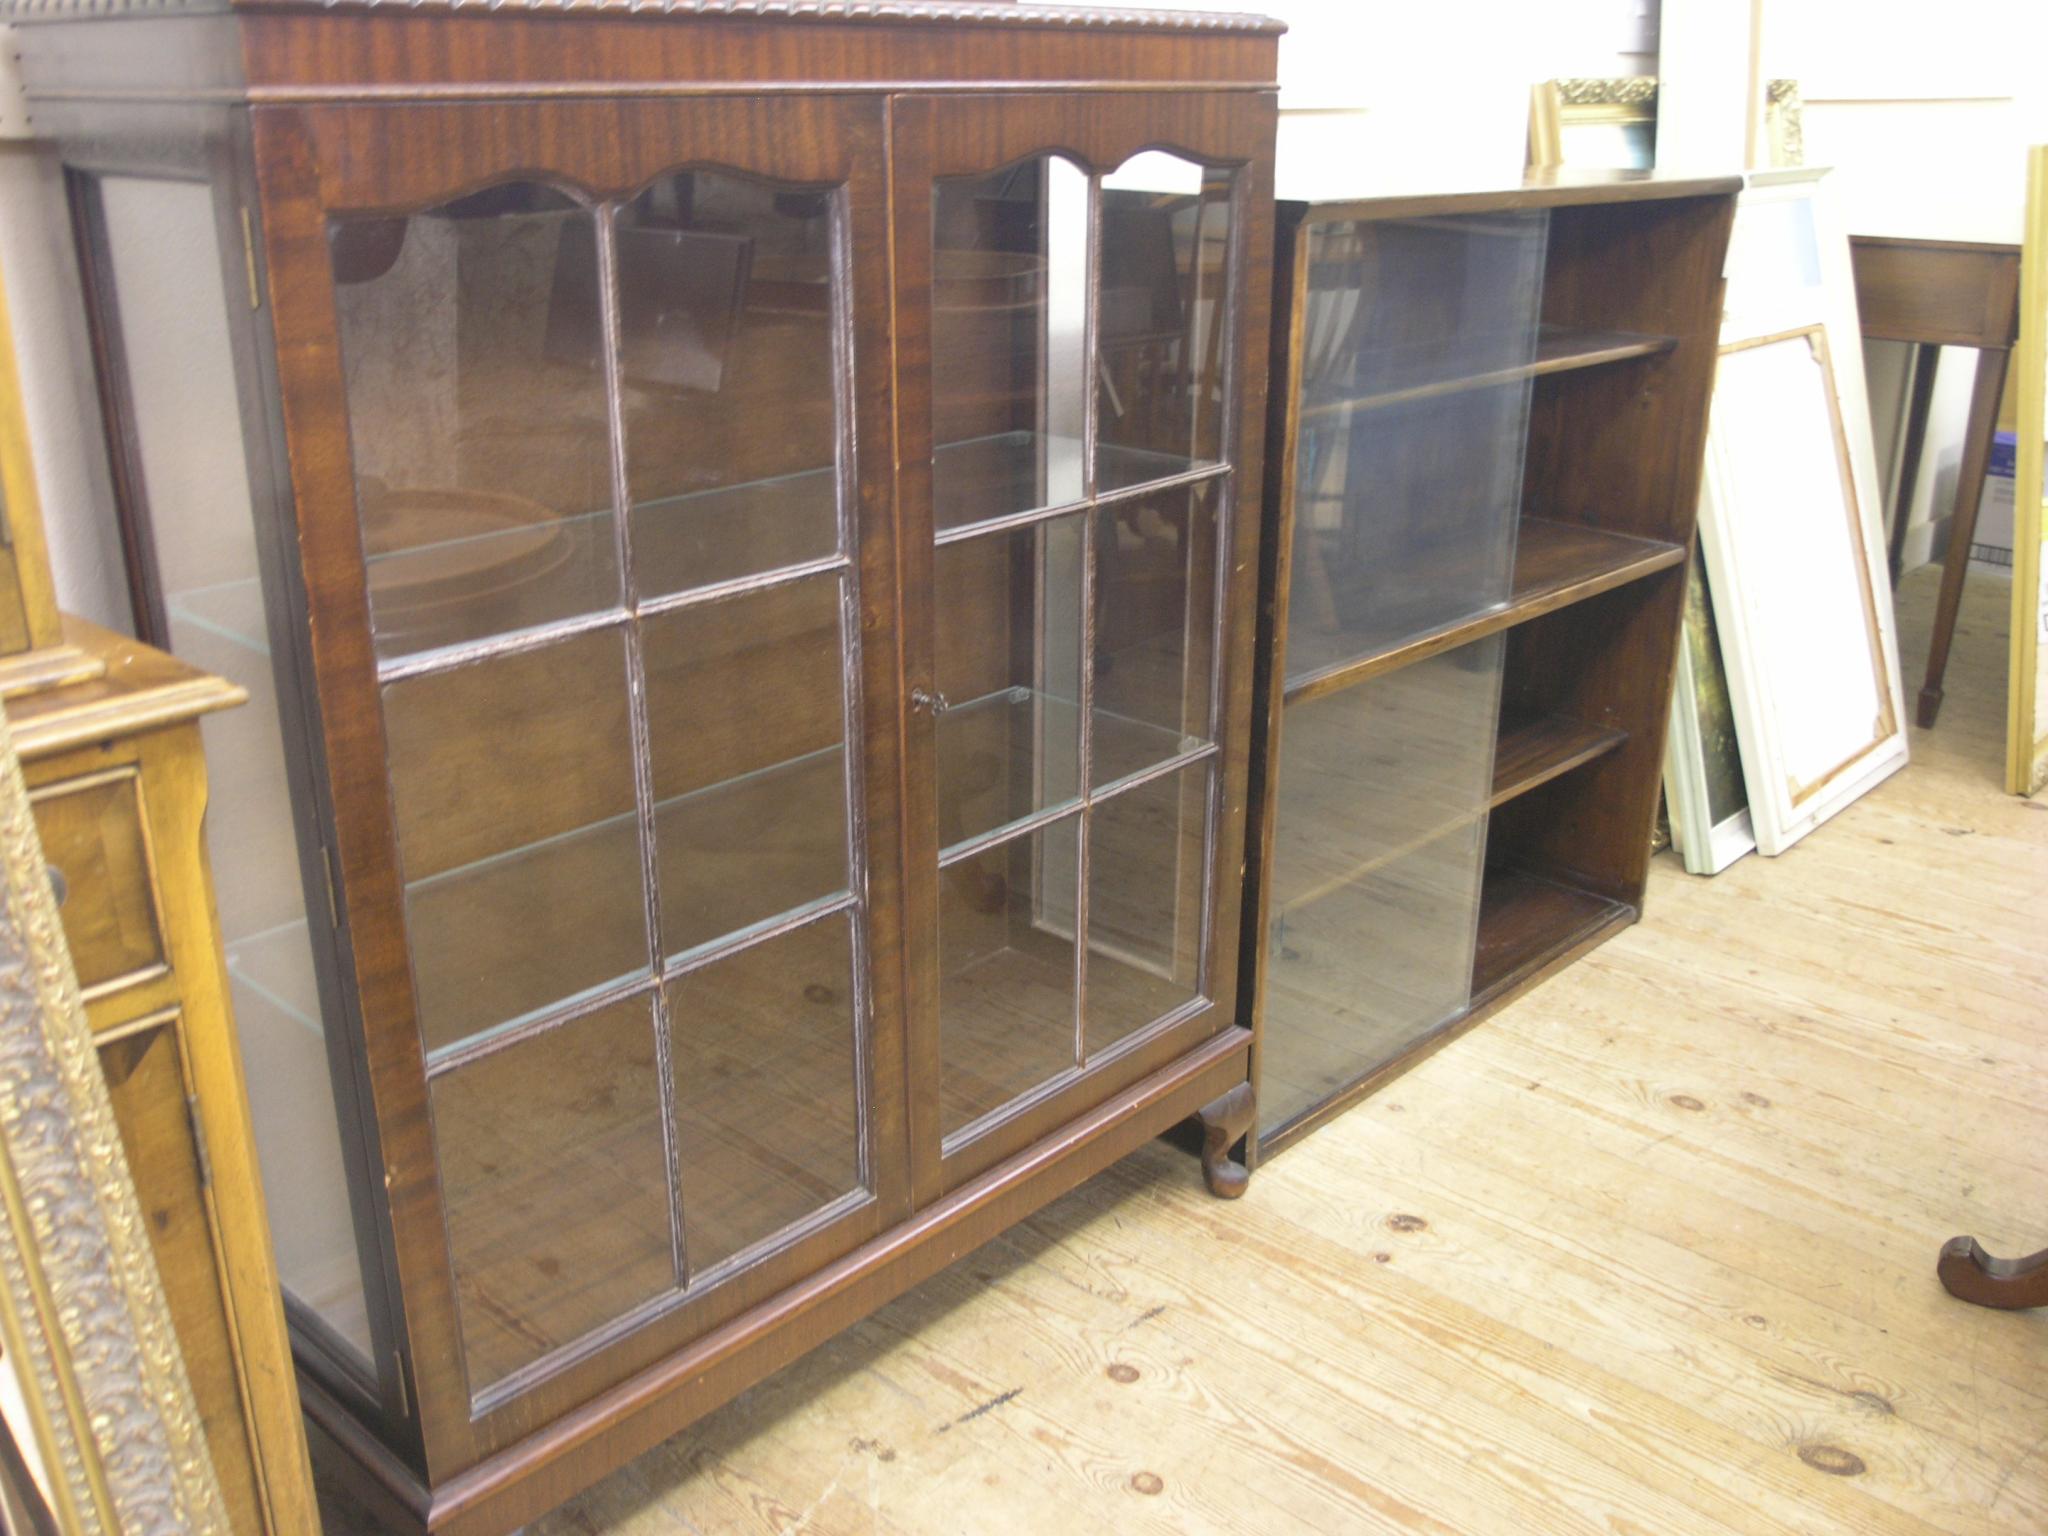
pixel 1939 292
pixel 371 111
pixel 1534 751
pixel 971 135
pixel 430 153
pixel 1556 565
pixel 1225 1123
pixel 1614 448
pixel 1525 921
pixel 1970 1274
pixel 1559 349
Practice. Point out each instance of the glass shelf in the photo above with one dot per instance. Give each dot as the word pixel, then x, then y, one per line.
pixel 985 479
pixel 228 610
pixel 507 921
pixel 700 538
pixel 1027 716
pixel 274 965
pixel 500 577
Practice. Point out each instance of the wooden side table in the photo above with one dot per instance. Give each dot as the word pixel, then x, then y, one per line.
pixel 1935 294
pixel 117 779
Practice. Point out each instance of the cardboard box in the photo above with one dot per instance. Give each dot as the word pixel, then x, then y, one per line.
pixel 1993 541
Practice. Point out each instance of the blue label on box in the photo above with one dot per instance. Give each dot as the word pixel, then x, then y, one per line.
pixel 2004 454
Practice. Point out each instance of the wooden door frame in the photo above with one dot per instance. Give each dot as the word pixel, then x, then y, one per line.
pixel 967 134
pixel 314 161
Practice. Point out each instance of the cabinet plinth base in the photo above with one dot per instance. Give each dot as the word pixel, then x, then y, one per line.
pixel 524 1481
pixel 1225 1123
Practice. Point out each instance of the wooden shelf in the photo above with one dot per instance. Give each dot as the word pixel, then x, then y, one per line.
pixel 1556 564
pixel 1533 752
pixel 1559 349
pixel 1528 925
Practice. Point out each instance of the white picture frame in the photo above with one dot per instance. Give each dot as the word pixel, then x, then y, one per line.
pixel 1790 531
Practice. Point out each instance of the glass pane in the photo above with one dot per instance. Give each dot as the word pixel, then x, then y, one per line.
pixel 1165 279
pixel 554 1179
pixel 1147 867
pixel 512 788
pixel 767 1089
pixel 1415 402
pixel 748 720
pixel 163 247
pixel 469 337
pixel 1155 618
pixel 726 348
pixel 1009 342
pixel 1378 840
pixel 1008 646
pixel 1006 971
pixel 1385 765
pixel 1366 968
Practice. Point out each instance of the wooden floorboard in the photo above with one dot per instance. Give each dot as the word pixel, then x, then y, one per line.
pixel 1650 1250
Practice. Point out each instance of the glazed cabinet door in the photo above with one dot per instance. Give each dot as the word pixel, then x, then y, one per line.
pixel 1079 282
pixel 585 402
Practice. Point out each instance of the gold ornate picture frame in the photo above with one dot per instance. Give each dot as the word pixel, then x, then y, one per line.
pixel 110 1420
pixel 1609 123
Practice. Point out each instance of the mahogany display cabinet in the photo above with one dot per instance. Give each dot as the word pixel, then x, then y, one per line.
pixel 1488 426
pixel 741 531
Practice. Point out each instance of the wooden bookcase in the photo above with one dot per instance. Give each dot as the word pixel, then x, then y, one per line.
pixel 1488 413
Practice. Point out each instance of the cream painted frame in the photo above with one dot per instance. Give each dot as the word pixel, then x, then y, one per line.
pixel 1820 315
pixel 2026 733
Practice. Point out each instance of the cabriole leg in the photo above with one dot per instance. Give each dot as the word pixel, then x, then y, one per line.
pixel 1224 1124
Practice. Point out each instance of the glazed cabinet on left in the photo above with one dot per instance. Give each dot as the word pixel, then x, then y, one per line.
pixel 736 532
pixel 586 428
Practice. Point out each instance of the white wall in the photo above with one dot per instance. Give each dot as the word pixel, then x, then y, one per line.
pixel 1379 94
pixel 52 355
pixel 1925 111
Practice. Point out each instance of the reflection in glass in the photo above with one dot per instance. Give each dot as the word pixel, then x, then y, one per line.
pixel 1370 967
pixel 1155 604
pixel 554 1180
pixel 1409 460
pixel 1147 867
pixel 748 722
pixel 726 352
pixel 1006 971
pixel 512 788
pixel 469 337
pixel 1009 319
pixel 1379 838
pixel 1008 649
pixel 1165 279
pixel 767 1098
pixel 165 266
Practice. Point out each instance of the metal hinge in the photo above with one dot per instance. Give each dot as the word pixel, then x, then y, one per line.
pixel 333 893
pixel 249 257
pixel 199 1141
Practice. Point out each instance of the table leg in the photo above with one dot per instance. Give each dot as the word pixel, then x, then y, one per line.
pixel 1926 358
pixel 1984 396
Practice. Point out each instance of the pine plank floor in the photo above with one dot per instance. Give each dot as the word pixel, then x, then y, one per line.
pixel 1652 1251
